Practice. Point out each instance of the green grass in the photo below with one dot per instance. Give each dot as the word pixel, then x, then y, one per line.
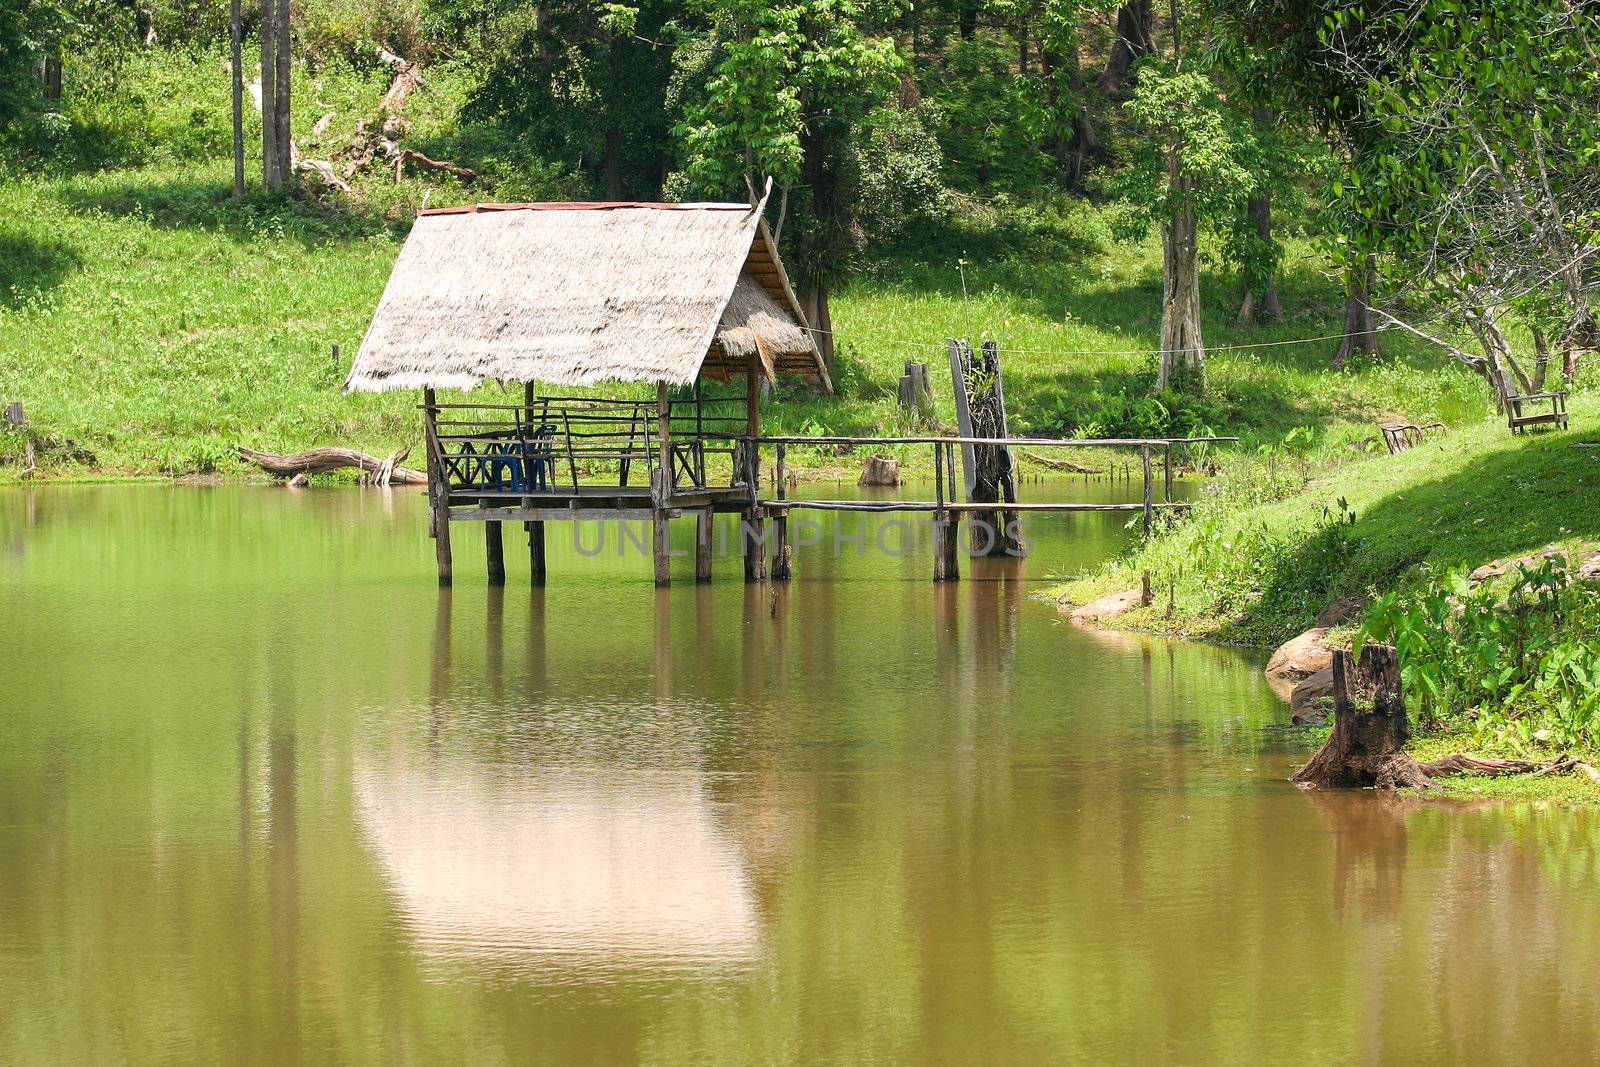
pixel 151 320
pixel 149 323
pixel 1250 568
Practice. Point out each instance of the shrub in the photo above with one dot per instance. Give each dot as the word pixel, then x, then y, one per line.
pixel 1520 668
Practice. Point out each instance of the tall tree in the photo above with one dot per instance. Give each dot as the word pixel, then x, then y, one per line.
pixel 236 70
pixel 585 84
pixel 788 81
pixel 1271 54
pixel 1134 39
pixel 1477 185
pixel 1197 165
pixel 269 97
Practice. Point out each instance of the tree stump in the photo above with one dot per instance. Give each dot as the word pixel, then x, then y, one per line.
pixel 1370 728
pixel 880 470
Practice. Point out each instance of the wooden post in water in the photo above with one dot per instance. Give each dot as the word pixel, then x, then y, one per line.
pixel 782 567
pixel 660 539
pixel 536 566
pixel 702 545
pixel 946 527
pixel 1167 497
pixel 438 488
pixel 495 551
pixel 753 536
pixel 1149 491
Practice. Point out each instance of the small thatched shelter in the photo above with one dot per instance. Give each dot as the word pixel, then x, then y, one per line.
pixel 575 294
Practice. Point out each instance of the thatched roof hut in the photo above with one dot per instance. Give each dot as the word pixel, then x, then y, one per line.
pixel 575 294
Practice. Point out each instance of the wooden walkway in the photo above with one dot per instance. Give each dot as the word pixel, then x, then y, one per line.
pixel 574 459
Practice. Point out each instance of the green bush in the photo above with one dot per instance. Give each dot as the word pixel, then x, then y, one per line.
pixel 1123 414
pixel 1519 668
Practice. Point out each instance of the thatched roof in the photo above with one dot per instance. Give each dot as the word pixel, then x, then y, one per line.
pixel 575 294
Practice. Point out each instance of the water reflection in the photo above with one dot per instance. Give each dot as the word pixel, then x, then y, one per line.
pixel 298 804
pixel 559 872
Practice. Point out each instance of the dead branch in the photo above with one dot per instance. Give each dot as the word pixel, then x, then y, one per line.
pixel 402 156
pixel 1058 464
pixel 320 460
pixel 324 170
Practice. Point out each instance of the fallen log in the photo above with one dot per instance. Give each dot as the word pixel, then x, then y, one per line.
pixel 1059 464
pixel 320 460
pixel 324 170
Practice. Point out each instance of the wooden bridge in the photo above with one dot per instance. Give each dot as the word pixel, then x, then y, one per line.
pixel 557 458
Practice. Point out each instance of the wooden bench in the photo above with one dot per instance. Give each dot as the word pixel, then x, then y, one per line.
pixel 1519 419
pixel 1400 436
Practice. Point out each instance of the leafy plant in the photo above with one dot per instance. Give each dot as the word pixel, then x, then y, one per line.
pixel 1519 668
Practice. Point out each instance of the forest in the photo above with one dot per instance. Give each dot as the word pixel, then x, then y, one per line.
pixel 1437 155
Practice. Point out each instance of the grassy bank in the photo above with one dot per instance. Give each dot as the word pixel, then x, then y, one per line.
pixel 1504 669
pixel 148 322
pixel 1278 538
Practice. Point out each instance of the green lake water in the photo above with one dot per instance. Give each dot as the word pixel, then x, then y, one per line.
pixel 268 795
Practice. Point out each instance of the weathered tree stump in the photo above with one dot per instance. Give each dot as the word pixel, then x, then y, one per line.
pixel 880 470
pixel 1370 728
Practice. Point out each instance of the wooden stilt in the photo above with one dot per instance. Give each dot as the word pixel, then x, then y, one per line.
pixel 536 551
pixel 438 490
pixel 782 553
pixel 661 545
pixel 702 545
pixel 495 551
pixel 755 546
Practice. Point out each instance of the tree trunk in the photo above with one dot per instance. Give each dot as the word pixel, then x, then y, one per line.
pixel 285 142
pixel 51 75
pixel 1183 354
pixel 967 21
pixel 820 318
pixel 1360 332
pixel 613 163
pixel 236 60
pixel 269 97
pixel 1367 746
pixel 1260 211
pixel 1135 38
pixel 1062 74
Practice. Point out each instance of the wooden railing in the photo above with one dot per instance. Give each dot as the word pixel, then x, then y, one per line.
pixel 566 444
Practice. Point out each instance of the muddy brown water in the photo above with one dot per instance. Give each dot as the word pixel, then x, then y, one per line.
pixel 267 795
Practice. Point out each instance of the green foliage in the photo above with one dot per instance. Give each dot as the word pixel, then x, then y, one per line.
pixel 1201 153
pixel 896 165
pixel 990 120
pixel 582 85
pixel 1128 413
pixel 1519 666
pixel 1475 178
pixel 774 61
